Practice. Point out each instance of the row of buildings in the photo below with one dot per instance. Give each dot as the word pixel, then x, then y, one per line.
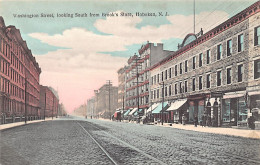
pixel 214 74
pixel 21 94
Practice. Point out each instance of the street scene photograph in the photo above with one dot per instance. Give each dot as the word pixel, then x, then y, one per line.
pixel 127 82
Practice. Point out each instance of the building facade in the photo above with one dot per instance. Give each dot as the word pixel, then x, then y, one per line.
pixel 19 77
pixel 49 102
pixel 121 88
pixel 138 74
pixel 215 74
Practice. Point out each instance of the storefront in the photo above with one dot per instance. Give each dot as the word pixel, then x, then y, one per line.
pixel 254 104
pixel 176 110
pixel 234 109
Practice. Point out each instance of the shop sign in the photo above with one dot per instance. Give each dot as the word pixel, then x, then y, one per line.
pixel 216 94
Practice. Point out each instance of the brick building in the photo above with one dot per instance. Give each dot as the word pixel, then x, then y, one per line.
pixel 214 74
pixel 121 88
pixel 19 76
pixel 49 102
pixel 138 73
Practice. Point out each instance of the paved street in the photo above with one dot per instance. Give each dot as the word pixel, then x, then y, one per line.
pixel 70 141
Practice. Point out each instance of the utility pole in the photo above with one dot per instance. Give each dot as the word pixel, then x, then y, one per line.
pixel 25 101
pixel 162 100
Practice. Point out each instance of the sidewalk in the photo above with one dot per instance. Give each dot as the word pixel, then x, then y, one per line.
pixel 247 133
pixel 10 125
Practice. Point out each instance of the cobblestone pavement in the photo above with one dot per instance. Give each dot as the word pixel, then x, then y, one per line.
pixel 68 142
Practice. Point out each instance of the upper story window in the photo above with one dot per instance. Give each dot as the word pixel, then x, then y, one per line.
pixel 180 68
pixel 154 79
pixel 219 78
pixel 186 66
pixel 257 69
pixel 208 56
pixel 208 80
pixel 193 84
pixel 170 90
pixel 176 89
pixel 162 76
pixel 240 71
pixel 170 73
pixel 166 75
pixel 165 91
pixel 194 62
pixel 229 75
pixel 257 36
pixel 229 47
pixel 200 59
pixel 180 87
pixel 176 70
pixel 185 86
pixel 219 51
pixel 200 82
pixel 158 78
pixel 240 42
pixel 158 93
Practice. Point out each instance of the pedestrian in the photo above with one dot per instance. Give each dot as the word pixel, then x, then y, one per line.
pixel 183 119
pixel 195 121
pixel 251 122
pixel 203 124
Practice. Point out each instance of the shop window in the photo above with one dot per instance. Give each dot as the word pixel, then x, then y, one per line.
pixel 242 110
pixel 240 73
pixel 193 84
pixel 226 110
pixel 219 51
pixel 229 75
pixel 194 62
pixel 200 59
pixel 257 69
pixel 229 47
pixel 219 78
pixel 200 82
pixel 257 35
pixel 208 56
pixel 186 66
pixel 240 43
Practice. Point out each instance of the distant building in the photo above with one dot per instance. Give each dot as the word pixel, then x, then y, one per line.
pixel 121 88
pixel 49 103
pixel 19 76
pixel 138 74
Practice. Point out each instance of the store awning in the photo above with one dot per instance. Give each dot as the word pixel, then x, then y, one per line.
pixel 236 94
pixel 158 109
pixel 133 111
pixel 127 112
pixel 136 113
pixel 151 108
pixel 254 93
pixel 177 104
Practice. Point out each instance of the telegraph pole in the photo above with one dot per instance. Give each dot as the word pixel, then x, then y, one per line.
pixel 25 101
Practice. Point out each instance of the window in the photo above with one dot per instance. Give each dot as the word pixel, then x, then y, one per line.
pixel 185 86
pixel 176 70
pixel 240 73
pixel 240 43
pixel 154 94
pixel 170 73
pixel 151 94
pixel 229 47
pixel 180 87
pixel 166 75
pixel 152 80
pixel 175 88
pixel 219 52
pixel 257 69
pixel 180 68
pixel 200 82
pixel 162 76
pixel 1 44
pixel 194 62
pixel 186 66
pixel 208 80
pixel 208 56
pixel 218 78
pixel 200 59
pixel 193 84
pixel 170 90
pixel 158 93
pixel 162 93
pixel 158 78
pixel 257 35
pixel 229 74
pixel 165 91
